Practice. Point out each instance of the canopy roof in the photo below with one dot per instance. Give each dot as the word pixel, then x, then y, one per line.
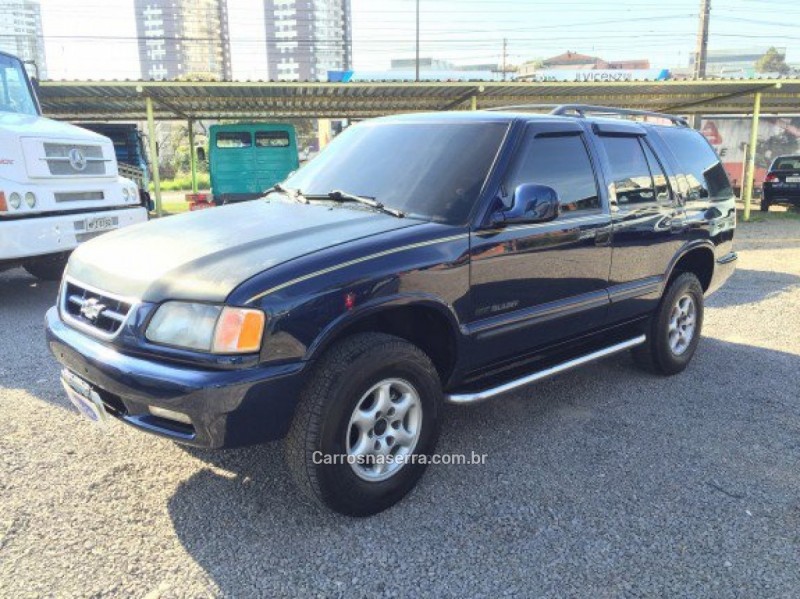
pixel 125 100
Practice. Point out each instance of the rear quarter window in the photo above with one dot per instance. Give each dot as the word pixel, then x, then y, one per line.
pixel 698 163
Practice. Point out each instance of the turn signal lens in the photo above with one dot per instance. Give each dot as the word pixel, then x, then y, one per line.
pixel 239 330
pixel 3 205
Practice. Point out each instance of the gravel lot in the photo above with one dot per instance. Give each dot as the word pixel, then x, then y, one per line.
pixel 604 482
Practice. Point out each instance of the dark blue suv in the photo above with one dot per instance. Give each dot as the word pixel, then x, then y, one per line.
pixel 419 259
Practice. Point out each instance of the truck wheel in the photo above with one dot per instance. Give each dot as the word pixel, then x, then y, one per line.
pixel 49 267
pixel 365 422
pixel 674 330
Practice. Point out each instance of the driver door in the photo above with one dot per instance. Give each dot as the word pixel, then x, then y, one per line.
pixel 538 283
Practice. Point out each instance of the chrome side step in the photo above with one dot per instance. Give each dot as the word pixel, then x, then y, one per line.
pixel 466 398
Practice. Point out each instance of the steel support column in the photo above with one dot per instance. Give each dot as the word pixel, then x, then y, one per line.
pixel 151 138
pixel 747 184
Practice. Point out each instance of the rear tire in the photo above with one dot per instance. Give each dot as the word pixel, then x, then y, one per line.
pixel 674 330
pixel 370 394
pixel 47 268
pixel 765 204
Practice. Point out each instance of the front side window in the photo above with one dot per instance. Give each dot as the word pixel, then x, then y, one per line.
pixel 234 139
pixel 15 92
pixel 432 170
pixel 558 161
pixel 630 174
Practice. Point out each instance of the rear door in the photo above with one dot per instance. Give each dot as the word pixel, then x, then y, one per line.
pixel 232 163
pixel 274 154
pixel 535 284
pixel 647 220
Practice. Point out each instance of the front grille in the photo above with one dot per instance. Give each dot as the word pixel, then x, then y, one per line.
pixel 57 156
pixel 97 311
pixel 78 196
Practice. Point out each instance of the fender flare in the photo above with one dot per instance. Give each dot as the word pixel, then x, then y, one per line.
pixel 688 247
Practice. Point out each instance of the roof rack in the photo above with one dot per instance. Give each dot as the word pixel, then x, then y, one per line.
pixel 583 110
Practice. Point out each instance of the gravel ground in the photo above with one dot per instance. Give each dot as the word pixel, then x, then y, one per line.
pixel 603 482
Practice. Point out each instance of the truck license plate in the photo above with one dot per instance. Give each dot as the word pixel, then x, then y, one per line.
pixel 99 223
pixel 83 397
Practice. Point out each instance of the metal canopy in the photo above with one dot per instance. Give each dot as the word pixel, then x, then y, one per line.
pixel 126 100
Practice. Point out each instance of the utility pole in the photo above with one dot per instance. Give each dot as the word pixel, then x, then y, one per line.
pixel 417 61
pixel 505 46
pixel 701 51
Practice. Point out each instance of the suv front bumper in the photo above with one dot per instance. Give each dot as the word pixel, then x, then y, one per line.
pixel 227 408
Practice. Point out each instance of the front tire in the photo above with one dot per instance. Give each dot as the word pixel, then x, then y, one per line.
pixel 674 330
pixel 366 419
pixel 47 268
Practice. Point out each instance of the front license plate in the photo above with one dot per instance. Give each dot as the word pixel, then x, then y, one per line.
pixel 99 223
pixel 83 397
pixel 793 179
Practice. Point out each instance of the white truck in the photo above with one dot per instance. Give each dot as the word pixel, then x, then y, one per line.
pixel 59 184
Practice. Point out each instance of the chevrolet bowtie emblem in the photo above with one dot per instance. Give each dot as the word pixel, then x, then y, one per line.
pixel 92 308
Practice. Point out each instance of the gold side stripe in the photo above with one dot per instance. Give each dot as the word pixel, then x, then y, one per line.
pixel 355 261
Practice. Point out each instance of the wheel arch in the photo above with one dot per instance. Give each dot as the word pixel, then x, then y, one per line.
pixel 426 322
pixel 697 258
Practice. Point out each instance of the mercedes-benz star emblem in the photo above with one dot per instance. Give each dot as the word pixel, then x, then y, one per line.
pixel 76 159
pixel 92 309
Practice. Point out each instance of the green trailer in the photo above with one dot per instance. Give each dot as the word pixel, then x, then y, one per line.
pixel 246 159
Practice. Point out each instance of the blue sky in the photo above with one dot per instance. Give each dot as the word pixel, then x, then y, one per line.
pixel 96 38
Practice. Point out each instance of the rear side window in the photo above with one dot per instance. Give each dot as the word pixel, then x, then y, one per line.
pixel 699 164
pixel 630 173
pixel 560 162
pixel 787 163
pixel 272 139
pixel 234 139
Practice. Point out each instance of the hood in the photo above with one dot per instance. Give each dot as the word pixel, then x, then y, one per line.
pixel 204 255
pixel 25 125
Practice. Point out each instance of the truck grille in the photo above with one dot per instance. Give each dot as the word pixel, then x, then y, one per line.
pixel 95 311
pixel 75 160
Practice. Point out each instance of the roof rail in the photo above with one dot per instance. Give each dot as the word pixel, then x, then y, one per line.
pixel 582 110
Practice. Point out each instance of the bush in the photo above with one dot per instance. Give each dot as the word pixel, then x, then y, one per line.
pixel 183 182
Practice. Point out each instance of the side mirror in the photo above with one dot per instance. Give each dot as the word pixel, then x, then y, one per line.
pixel 201 153
pixel 533 203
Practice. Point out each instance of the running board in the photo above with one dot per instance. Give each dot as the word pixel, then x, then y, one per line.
pixel 466 398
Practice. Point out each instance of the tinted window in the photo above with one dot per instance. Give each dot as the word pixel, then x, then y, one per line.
pixel 659 176
pixel 703 171
pixel 272 139
pixel 234 139
pixel 786 163
pixel 429 169
pixel 560 162
pixel 630 173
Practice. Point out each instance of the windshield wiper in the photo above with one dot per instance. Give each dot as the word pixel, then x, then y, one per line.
pixel 292 194
pixel 337 195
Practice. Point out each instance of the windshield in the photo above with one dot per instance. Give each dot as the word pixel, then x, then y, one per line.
pixel 15 92
pixel 429 170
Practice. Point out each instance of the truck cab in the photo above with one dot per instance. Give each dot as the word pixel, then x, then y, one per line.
pixel 59 184
pixel 246 159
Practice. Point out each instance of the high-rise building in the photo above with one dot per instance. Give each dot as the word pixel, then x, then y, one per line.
pixel 307 38
pixel 179 38
pixel 21 32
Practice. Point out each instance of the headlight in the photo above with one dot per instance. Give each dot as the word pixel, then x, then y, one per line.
pixel 125 193
pixel 207 328
pixel 30 199
pixel 14 200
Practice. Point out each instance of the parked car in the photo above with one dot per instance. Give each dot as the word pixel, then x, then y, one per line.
pixel 419 259
pixel 246 159
pixel 782 183
pixel 59 184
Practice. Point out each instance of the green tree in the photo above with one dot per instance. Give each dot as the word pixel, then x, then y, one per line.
pixel 772 62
